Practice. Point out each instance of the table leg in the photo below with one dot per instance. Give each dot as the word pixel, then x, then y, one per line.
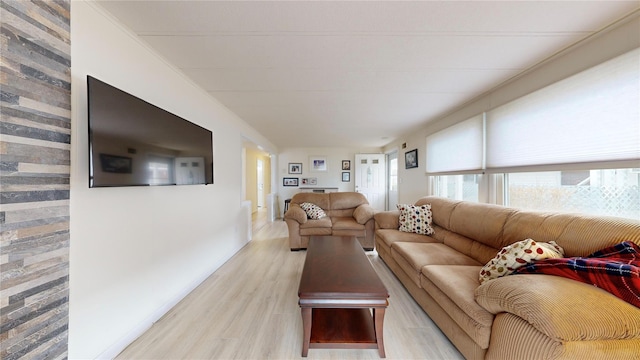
pixel 378 319
pixel 306 325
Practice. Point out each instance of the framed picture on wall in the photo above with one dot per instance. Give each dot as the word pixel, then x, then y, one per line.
pixel 115 164
pixel 346 164
pixel 295 168
pixel 346 176
pixel 290 181
pixel 411 159
pixel 318 163
pixel 309 181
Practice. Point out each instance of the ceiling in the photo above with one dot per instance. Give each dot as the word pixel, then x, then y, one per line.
pixel 356 74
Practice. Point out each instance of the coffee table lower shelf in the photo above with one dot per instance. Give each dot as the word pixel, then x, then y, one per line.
pixel 342 329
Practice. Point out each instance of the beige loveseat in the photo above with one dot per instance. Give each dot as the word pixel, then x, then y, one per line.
pixel 524 316
pixel 348 214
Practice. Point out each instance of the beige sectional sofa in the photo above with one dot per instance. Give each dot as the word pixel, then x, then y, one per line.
pixel 348 214
pixel 524 316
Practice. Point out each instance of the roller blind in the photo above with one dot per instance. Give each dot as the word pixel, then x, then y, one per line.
pixel 456 148
pixel 592 116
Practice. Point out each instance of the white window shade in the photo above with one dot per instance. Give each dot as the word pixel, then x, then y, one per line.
pixel 592 116
pixel 456 148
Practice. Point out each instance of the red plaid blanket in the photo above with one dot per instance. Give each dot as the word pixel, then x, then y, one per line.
pixel 615 269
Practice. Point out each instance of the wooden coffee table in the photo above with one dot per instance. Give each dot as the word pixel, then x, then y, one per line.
pixel 342 299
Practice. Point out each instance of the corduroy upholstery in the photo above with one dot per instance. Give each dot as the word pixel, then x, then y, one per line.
pixel 516 316
pixel 348 214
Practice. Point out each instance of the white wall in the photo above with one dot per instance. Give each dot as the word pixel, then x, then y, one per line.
pixel 136 251
pixel 331 178
pixel 611 42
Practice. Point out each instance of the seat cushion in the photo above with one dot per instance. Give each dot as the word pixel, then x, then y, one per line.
pixel 453 288
pixel 413 256
pixel 316 227
pixel 390 236
pixel 346 223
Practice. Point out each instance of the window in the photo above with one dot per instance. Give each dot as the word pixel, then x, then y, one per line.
pixel 393 174
pixel 457 187
pixel 592 116
pixel 611 192
pixel 545 142
pixel 160 170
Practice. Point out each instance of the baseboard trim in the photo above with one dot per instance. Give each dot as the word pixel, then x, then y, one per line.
pixel 115 349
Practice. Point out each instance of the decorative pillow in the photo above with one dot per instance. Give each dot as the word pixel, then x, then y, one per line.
pixel 313 211
pixel 415 218
pixel 513 256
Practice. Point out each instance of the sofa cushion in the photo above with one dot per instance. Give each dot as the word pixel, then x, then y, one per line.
pixel 452 287
pixel 390 236
pixel 313 211
pixel 346 223
pixel 518 254
pixel 346 200
pixel 413 256
pixel 319 199
pixel 415 218
pixel 325 222
pixel 482 222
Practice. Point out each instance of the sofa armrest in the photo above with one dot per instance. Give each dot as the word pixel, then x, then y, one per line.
pixel 296 213
pixel 387 219
pixel 561 308
pixel 363 213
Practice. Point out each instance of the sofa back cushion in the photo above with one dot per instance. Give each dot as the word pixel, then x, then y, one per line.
pixel 344 203
pixel 443 205
pixel 321 200
pixel 480 230
pixel 577 234
pixel 338 204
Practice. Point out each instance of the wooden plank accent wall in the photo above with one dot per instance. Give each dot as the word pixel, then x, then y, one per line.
pixel 35 132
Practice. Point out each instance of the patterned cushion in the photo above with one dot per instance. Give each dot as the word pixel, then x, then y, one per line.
pixel 313 211
pixel 518 254
pixel 415 218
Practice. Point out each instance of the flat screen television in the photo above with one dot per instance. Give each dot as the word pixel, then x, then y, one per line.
pixel 135 143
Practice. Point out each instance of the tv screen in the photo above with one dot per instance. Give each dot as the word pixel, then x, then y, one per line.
pixel 135 143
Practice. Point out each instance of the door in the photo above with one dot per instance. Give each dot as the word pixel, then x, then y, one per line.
pixel 371 178
pixel 189 170
pixel 392 180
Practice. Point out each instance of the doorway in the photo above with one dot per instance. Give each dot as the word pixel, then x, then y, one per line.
pixel 392 180
pixel 256 183
pixel 260 183
pixel 371 178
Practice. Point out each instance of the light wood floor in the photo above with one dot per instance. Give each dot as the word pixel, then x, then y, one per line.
pixel 248 309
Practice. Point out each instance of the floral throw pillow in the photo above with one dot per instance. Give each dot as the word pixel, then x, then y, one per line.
pixel 518 254
pixel 415 218
pixel 313 211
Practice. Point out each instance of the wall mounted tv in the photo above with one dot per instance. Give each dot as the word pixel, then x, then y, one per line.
pixel 135 143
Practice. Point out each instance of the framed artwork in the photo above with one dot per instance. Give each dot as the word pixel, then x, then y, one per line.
pixel 295 168
pixel 115 164
pixel 346 164
pixel 346 176
pixel 318 163
pixel 309 181
pixel 411 159
pixel 290 181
